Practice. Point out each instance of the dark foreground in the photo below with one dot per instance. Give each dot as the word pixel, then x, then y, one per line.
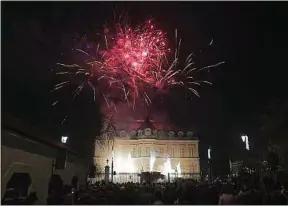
pixel 182 193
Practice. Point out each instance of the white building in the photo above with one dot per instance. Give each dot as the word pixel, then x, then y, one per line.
pixel 150 146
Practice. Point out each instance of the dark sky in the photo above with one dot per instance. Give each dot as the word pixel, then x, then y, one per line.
pixel 249 36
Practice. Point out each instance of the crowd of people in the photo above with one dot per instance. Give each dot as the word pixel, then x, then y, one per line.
pixel 182 192
pixel 186 192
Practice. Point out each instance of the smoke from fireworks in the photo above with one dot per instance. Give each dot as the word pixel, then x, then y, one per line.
pixel 129 63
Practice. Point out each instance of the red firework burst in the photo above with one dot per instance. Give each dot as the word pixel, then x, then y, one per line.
pixel 136 53
pixel 133 60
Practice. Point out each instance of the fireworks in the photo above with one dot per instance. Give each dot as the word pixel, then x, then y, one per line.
pixel 129 63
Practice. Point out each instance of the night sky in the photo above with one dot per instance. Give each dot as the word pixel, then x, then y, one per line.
pixel 250 37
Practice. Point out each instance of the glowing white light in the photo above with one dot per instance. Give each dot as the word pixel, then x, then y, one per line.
pixel 124 165
pixel 209 153
pixel 129 157
pixel 179 169
pixel 246 140
pixel 167 166
pixel 152 160
pixel 247 143
pixel 134 64
pixel 130 166
pixel 64 139
pixel 243 138
pixel 144 53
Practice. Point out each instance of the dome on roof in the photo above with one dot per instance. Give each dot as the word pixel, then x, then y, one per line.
pixel 190 134
pixel 139 133
pixel 180 134
pixel 171 134
pixel 154 132
pixel 133 133
pixel 147 132
pixel 161 133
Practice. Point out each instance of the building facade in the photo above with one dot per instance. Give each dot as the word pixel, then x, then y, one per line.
pixel 150 146
pixel 30 155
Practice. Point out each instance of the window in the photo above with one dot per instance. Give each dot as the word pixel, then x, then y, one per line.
pixel 102 151
pixel 161 150
pixel 182 169
pixel 172 152
pixel 190 168
pixel 181 152
pixel 147 151
pixel 134 153
pixel 139 151
pixel 190 151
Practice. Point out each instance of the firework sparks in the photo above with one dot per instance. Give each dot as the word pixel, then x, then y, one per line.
pixel 131 61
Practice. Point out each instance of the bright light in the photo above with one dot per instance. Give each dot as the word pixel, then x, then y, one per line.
pixel 167 166
pixel 209 153
pixel 247 143
pixel 64 139
pixel 124 164
pixel 134 64
pixel 243 138
pixel 246 140
pixel 144 53
pixel 179 169
pixel 152 160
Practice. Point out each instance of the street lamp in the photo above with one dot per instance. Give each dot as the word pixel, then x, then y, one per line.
pixel 64 139
pixel 112 164
pixel 245 139
pixel 209 164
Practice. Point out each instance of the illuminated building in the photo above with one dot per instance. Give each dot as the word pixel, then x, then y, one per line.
pixel 150 146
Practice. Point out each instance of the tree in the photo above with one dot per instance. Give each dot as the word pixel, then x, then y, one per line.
pixel 108 131
pixel 273 160
pixel 272 119
pixel 273 127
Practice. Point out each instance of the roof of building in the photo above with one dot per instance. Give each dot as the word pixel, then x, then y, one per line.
pixel 12 123
pixel 148 123
pixel 162 130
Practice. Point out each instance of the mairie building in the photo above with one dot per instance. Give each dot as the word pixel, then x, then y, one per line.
pixel 150 146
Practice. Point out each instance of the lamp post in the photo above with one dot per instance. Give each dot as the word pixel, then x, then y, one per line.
pixel 112 163
pixel 230 167
pixel 107 172
pixel 209 165
pixel 141 175
pixel 245 140
pixel 64 139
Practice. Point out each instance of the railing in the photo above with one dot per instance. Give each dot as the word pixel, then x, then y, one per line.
pixel 127 177
pixel 136 177
pixel 174 176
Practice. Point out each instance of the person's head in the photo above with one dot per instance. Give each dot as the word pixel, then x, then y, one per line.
pixel 32 197
pixel 279 200
pixel 11 193
pixel 188 193
pixel 158 195
pixel 227 189
pixel 244 187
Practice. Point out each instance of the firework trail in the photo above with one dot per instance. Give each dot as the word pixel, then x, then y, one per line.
pixel 129 63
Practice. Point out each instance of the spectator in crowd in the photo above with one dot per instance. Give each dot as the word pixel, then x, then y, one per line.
pixel 226 197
